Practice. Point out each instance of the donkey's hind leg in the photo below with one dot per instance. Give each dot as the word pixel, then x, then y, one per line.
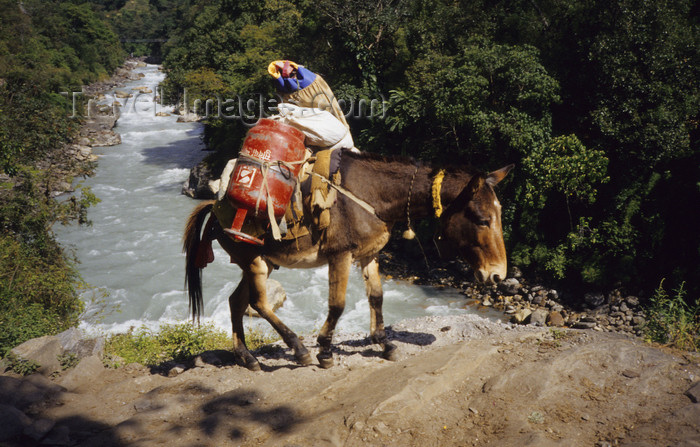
pixel 373 285
pixel 257 274
pixel 238 302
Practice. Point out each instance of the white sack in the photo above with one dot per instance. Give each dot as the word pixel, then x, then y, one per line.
pixel 320 127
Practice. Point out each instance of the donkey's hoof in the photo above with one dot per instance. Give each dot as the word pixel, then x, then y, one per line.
pixel 325 360
pixel 304 359
pixel 248 361
pixel 391 353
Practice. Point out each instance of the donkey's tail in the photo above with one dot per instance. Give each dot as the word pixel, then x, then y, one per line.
pixel 190 245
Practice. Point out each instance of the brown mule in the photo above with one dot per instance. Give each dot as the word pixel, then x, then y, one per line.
pixel 464 201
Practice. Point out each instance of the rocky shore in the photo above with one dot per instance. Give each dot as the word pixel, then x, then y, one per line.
pixel 522 302
pixel 96 130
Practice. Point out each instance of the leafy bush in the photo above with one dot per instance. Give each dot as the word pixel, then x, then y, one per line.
pixel 173 342
pixel 20 366
pixel 46 47
pixel 671 320
pixel 37 295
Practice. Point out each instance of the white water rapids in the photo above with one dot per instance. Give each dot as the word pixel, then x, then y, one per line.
pixel 133 249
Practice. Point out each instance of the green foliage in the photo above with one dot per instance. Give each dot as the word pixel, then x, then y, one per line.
pixel 171 342
pixel 20 366
pixel 672 321
pixel 46 47
pixel 566 166
pixel 37 295
pixel 485 99
pixel 68 360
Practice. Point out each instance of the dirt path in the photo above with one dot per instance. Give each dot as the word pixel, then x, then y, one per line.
pixel 461 381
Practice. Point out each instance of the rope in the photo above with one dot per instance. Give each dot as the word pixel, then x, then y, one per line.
pixel 409 233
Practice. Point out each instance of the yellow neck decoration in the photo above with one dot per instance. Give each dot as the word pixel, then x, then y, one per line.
pixel 437 185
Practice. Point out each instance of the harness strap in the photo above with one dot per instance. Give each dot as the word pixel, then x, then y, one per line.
pixel 366 206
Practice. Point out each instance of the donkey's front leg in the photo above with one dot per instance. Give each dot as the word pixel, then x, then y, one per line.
pixel 257 275
pixel 375 294
pixel 338 273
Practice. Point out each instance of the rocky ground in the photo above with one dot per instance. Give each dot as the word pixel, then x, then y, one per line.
pixel 459 381
pixel 523 301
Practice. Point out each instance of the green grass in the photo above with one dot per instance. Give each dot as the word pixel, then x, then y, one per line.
pixel 176 342
pixel 672 320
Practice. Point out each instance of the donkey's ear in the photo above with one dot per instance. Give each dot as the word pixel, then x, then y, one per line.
pixel 474 185
pixel 496 176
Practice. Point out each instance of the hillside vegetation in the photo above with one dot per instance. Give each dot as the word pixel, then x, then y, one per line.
pixel 46 48
pixel 596 102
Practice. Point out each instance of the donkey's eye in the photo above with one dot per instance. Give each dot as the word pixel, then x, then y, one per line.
pixel 484 223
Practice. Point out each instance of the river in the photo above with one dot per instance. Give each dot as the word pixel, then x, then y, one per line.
pixel 131 256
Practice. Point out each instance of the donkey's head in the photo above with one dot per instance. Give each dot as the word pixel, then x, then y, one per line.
pixel 471 228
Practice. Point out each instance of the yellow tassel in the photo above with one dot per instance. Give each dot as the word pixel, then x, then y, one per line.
pixel 437 185
pixel 409 234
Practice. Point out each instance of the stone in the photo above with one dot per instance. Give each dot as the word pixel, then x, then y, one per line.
pixel 630 373
pixel 276 296
pixel 44 351
pixel 594 300
pixel 555 318
pixel 515 272
pixel 189 118
pixel 177 370
pixel 521 316
pixel 584 325
pixel 694 392
pixel 538 299
pixel 632 301
pixel 197 185
pixel 14 422
pixel 638 320
pixel 74 342
pixel 107 138
pixel 122 94
pixel 539 317
pixel 85 371
pixel 509 286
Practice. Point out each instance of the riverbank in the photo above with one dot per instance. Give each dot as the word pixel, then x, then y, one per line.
pixel 96 130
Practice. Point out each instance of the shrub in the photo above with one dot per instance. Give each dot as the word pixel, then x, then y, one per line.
pixel 173 342
pixel 671 320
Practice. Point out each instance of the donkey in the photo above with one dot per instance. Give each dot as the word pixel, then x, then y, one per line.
pixel 375 193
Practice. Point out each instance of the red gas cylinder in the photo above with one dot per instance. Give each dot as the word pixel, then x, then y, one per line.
pixel 266 172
